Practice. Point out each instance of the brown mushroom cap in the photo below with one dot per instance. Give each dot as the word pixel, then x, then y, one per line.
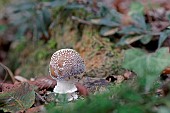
pixel 66 63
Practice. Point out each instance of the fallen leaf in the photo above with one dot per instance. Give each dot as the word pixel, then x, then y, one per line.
pixel 6 86
pixel 82 89
pixel 44 83
pixel 119 78
pixel 166 70
pixel 19 98
pixel 35 109
pixel 106 31
pixel 163 91
pixel 20 78
pixel 128 74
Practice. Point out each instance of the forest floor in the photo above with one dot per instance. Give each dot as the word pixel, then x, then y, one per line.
pixel 106 44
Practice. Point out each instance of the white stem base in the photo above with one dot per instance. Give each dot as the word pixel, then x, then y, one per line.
pixel 72 96
pixel 66 87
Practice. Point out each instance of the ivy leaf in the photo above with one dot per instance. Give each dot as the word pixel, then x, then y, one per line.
pixel 163 36
pixel 139 19
pixel 105 21
pixel 129 39
pixel 19 98
pixel 136 7
pixel 58 3
pixel 146 39
pixel 130 30
pixel 148 66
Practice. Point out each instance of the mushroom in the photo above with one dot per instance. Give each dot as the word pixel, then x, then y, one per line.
pixel 66 63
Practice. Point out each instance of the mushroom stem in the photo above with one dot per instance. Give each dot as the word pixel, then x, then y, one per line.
pixel 66 87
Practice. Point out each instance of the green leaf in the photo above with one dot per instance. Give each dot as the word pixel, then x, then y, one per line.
pixel 3 28
pixel 58 3
pixel 105 21
pixel 140 20
pixel 130 30
pixel 163 36
pixel 136 12
pixel 46 16
pixel 129 39
pixel 144 64
pixel 19 98
pixel 168 16
pixel 130 108
pixel 21 30
pixel 148 66
pixel 136 7
pixel 115 16
pixel 146 39
pixel 163 109
pixel 75 6
pixel 23 6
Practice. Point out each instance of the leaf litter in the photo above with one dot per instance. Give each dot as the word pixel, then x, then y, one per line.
pixel 45 84
pixel 21 97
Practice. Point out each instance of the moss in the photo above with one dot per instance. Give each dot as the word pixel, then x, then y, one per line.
pixel 31 60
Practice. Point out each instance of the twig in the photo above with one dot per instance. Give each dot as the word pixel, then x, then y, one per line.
pixel 9 72
pixel 81 20
pixel 40 97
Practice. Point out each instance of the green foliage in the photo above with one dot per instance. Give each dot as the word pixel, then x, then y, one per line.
pixel 139 29
pixel 163 36
pixel 30 17
pixel 3 3
pixel 147 66
pixel 51 44
pixel 136 7
pixel 2 28
pixel 120 98
pixel 111 19
pixel 39 17
pixel 138 96
pixel 93 104
pixel 31 60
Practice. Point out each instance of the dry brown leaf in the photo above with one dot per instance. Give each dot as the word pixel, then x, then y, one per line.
pixel 44 83
pixel 35 109
pixel 128 75
pixel 6 86
pixel 122 6
pixel 119 78
pixel 82 89
pixel 163 91
pixel 166 71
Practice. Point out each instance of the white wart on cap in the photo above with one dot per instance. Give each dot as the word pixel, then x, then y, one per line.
pixel 65 63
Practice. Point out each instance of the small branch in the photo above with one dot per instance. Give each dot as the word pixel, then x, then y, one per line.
pixel 81 20
pixel 9 72
pixel 40 97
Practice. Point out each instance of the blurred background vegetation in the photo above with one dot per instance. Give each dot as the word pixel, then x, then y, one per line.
pixel 100 30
